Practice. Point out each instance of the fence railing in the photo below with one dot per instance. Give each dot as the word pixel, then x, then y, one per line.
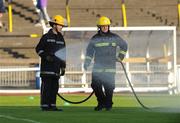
pixel 21 77
pixel 17 77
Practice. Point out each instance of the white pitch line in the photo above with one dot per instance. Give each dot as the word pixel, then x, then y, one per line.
pixel 21 119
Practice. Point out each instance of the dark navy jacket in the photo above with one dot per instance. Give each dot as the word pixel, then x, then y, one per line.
pixel 105 49
pixel 52 45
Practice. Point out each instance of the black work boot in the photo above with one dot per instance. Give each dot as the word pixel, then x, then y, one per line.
pixel 56 109
pixel 51 109
pixel 108 106
pixel 45 109
pixel 99 107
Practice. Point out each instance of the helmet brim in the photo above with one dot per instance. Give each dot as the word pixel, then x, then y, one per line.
pixel 51 23
pixel 102 25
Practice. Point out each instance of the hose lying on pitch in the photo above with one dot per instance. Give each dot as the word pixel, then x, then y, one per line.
pixel 132 87
pixel 78 102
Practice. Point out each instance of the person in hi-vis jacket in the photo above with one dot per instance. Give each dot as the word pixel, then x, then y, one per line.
pixel 102 48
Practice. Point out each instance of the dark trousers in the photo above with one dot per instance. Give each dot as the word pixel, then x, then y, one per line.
pixel 49 89
pixel 106 81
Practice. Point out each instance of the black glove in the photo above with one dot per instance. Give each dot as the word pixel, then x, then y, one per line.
pixel 120 57
pixel 62 71
pixel 47 56
pixel 50 58
pixel 60 61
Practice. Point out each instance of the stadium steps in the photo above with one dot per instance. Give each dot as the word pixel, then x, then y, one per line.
pixel 17 49
pixel 29 52
pixel 4 54
pixel 15 54
pixel 162 12
pixel 24 18
pixel 139 13
pixel 90 11
pixel 56 7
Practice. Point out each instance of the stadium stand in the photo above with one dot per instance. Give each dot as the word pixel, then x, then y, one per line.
pixel 82 13
pixel 16 50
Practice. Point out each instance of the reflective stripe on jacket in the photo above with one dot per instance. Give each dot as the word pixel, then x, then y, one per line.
pixel 102 48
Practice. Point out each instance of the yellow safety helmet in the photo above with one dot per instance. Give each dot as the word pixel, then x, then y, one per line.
pixel 103 21
pixel 58 19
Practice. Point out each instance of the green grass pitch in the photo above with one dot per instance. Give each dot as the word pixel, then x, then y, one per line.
pixel 25 109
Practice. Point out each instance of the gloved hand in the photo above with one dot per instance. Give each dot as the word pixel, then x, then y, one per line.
pixel 61 62
pixel 120 58
pixel 50 58
pixel 62 71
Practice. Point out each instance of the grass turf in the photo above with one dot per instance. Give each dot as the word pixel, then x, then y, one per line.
pixel 25 109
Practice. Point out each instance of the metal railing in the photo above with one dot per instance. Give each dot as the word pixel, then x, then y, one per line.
pixel 17 76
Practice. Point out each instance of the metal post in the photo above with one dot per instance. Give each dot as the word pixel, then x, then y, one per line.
pixel 68 13
pixel 178 6
pixel 124 14
pixel 10 16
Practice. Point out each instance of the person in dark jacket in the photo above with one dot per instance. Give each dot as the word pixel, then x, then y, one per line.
pixel 52 50
pixel 102 48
